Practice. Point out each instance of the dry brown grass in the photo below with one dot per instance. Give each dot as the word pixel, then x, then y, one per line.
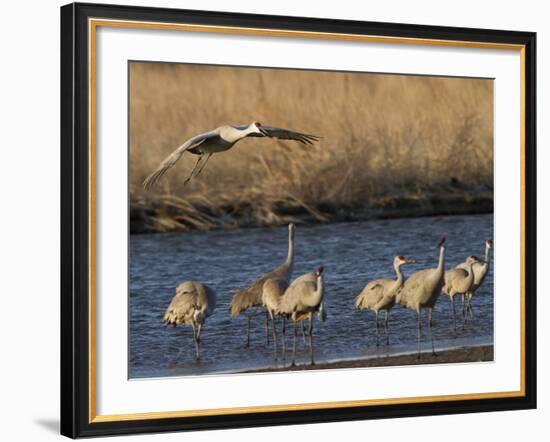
pixel 384 136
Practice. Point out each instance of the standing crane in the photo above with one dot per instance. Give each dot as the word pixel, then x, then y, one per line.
pixel 421 291
pixel 459 281
pixel 273 290
pixel 301 299
pixel 249 300
pixel 380 294
pixel 480 272
pixel 192 304
pixel 219 140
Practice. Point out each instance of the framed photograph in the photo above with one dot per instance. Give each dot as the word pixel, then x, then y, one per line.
pixel 274 220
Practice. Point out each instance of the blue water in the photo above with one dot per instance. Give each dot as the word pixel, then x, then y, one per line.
pixel 352 254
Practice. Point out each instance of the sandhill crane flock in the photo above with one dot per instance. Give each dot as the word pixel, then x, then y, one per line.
pixel 282 299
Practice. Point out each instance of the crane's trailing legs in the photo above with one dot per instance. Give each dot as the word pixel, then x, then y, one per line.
pixel 193 170
pixel 203 164
pixel 193 174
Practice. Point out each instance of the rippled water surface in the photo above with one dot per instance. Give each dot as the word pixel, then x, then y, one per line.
pixel 352 254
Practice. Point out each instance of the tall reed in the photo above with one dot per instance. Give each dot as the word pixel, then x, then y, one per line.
pixel 382 135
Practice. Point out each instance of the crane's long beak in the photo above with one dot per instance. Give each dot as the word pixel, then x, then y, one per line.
pixel 411 261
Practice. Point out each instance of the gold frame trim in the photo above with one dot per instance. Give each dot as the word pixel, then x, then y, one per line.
pixel 93 24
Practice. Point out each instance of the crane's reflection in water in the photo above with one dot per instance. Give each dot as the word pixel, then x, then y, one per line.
pixel 351 253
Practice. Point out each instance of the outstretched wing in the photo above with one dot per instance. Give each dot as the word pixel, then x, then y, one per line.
pixel 173 158
pixel 282 134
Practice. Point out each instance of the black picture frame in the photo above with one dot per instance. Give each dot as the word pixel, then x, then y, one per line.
pixel 75 219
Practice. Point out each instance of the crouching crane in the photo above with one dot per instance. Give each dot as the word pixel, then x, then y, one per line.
pixel 192 304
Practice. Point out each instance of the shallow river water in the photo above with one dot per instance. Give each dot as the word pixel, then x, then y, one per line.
pixel 351 253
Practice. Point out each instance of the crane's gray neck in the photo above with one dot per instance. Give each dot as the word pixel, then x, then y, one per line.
pixel 397 267
pixel 232 134
pixel 314 298
pixel 471 273
pixel 487 256
pixel 248 130
pixel 290 256
pixel 320 289
pixel 441 264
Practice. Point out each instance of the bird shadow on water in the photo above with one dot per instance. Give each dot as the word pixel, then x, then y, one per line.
pixel 50 424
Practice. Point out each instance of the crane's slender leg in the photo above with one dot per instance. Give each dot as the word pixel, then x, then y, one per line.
pixel 418 327
pixel 454 312
pixel 199 329
pixel 470 307
pixel 464 310
pixel 304 333
pixel 310 332
pixel 203 164
pixel 376 313
pixel 266 328
pixel 294 343
pixel 283 329
pixel 195 338
pixel 386 329
pixel 248 330
pixel 193 171
pixel 310 328
pixel 430 328
pixel 274 331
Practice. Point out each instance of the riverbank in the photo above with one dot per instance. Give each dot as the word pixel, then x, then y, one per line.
pixel 482 353
pixel 155 213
